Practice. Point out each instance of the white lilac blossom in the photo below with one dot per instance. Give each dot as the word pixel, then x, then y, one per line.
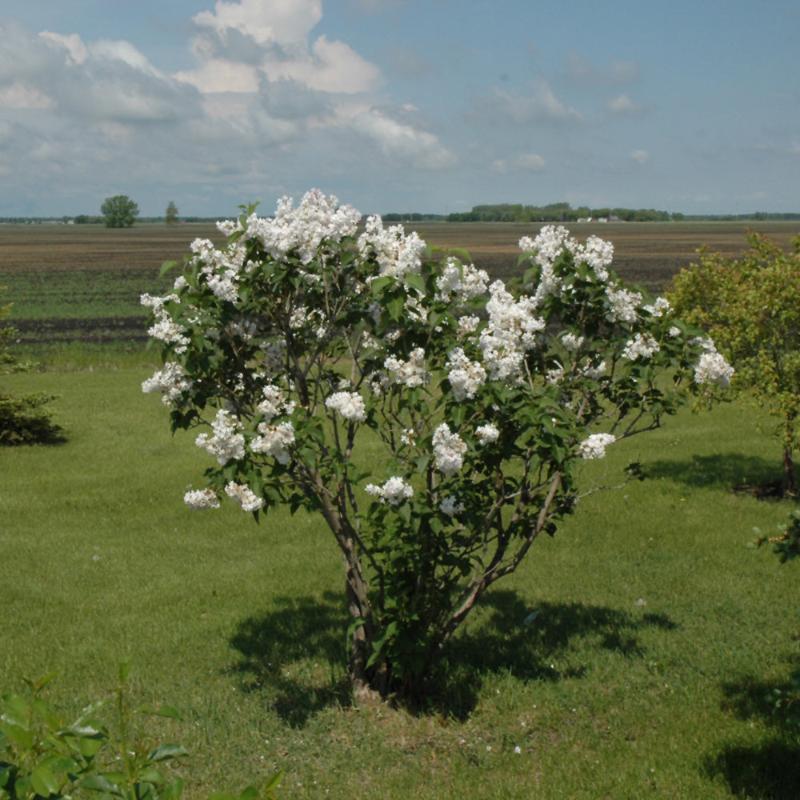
pixel 511 330
pixel 448 450
pixel 555 374
pixel 572 342
pixel 408 438
pixel 467 325
pixel 201 499
pixel 349 404
pixel 170 380
pixel 317 219
pixel 674 332
pixel 450 506
pixel 598 254
pixel 642 346
pixel 226 442
pixel 394 491
pixel 274 440
pixel 411 373
pixel 397 253
pixel 623 305
pixel 244 496
pixel 487 433
pixel 465 376
pixel 460 282
pixel 227 227
pixel 713 368
pixel 660 307
pixel 274 403
pixel 595 445
pixel 594 371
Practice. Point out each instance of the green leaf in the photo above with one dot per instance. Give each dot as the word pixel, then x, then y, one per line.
pixel 43 781
pixel 166 267
pixel 166 752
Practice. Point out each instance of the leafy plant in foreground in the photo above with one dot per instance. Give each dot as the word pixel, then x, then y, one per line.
pixel 44 756
pixel 301 342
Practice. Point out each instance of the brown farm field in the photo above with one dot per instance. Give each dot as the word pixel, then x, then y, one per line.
pixel 83 282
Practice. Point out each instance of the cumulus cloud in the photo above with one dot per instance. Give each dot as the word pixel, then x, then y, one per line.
pixel 19 96
pixel 283 21
pixel 622 104
pixel 396 139
pixel 540 104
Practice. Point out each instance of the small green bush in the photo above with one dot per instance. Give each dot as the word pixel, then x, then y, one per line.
pixel 42 755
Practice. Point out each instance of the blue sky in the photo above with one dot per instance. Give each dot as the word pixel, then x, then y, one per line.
pixel 398 104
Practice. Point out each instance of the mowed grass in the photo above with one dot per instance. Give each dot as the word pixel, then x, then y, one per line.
pixel 629 657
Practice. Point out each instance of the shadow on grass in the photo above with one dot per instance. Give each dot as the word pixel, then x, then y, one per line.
pixel 769 770
pixel 514 638
pixel 295 654
pixel 720 471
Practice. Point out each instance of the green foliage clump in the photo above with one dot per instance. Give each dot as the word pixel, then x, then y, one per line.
pixel 23 420
pixel 43 755
pixel 119 211
pixel 750 306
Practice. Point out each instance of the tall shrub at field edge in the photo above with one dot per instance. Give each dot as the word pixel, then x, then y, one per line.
pixel 301 342
pixel 23 419
pixel 751 307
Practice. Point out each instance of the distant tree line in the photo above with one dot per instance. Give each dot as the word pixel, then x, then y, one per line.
pixel 559 212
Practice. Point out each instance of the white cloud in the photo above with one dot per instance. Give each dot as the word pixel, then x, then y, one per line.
pixel 282 21
pixel 19 96
pixel 120 50
pixel 541 104
pixel 330 66
pixel 72 43
pixel 398 140
pixel 221 75
pixel 640 156
pixel 622 104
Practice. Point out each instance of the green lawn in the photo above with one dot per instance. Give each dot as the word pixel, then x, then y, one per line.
pixel 653 631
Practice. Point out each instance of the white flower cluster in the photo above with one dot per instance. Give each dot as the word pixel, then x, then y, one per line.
pixel 571 342
pixel 318 218
pixel 274 403
pixel 467 325
pixel 511 330
pixel 171 381
pixel 448 450
pixel 623 305
pixel 712 366
pixel 410 373
pixel 220 268
pixel 201 499
pixel 165 329
pixel 595 445
pixel 274 440
pixel 349 404
pixel 465 376
pixel 659 308
pixel 397 253
pixel 461 282
pixel 314 319
pixel 450 506
pixel 487 433
pixel 244 496
pixel 394 491
pixel 227 441
pixel 643 346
